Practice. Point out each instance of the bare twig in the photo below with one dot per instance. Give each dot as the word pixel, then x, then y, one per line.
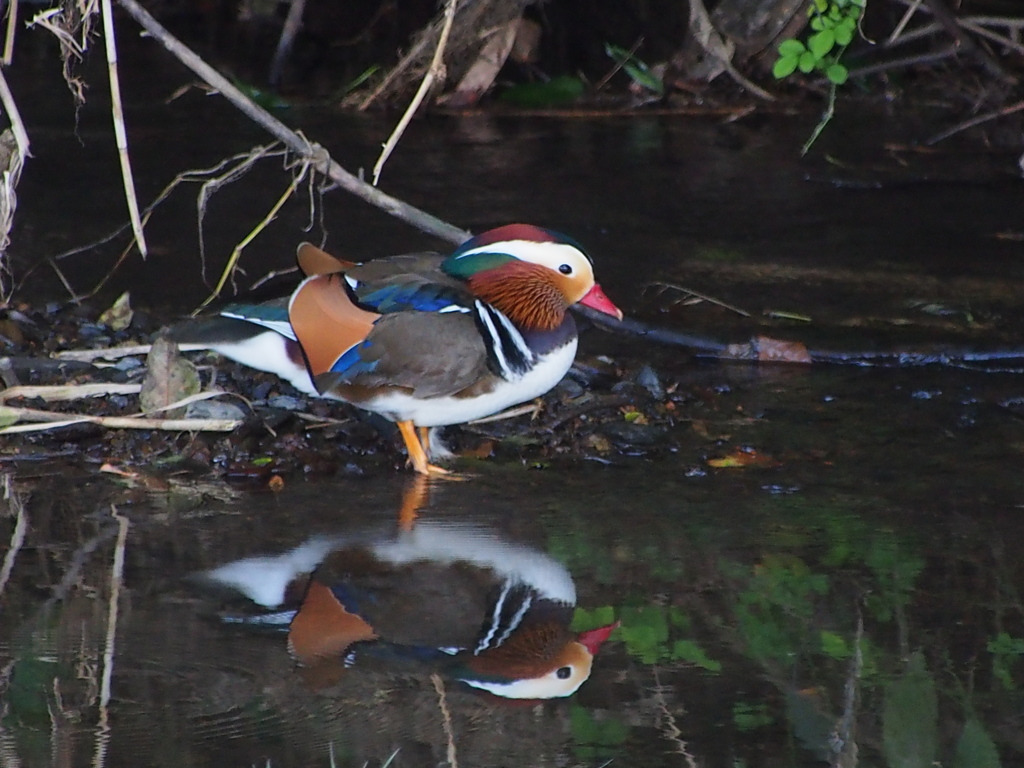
pixel 906 61
pixel 12 24
pixel 434 72
pixel 69 392
pixel 399 68
pixel 292 24
pixel 317 155
pixel 110 353
pixel 702 296
pixel 117 113
pixel 619 64
pixel 16 505
pixel 1009 110
pixel 236 254
pixel 116 576
pixel 948 20
pixel 50 420
pixel 981 31
pixel 904 21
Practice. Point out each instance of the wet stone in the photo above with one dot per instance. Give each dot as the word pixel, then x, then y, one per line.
pixel 624 433
pixel 286 403
pixel 212 409
pixel 647 378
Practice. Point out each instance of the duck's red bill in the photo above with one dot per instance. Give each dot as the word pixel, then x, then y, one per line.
pixel 593 638
pixel 597 299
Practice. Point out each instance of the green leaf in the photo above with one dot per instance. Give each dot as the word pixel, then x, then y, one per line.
pixel 821 5
pixel 791 48
pixel 688 650
pixel 817 24
pixel 557 91
pixel 806 62
pixel 821 43
pixel 837 74
pixel 637 70
pixel 784 67
pixel 747 717
pixel 834 645
pixel 844 34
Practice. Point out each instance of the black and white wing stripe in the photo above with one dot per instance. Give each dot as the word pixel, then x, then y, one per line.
pixel 508 354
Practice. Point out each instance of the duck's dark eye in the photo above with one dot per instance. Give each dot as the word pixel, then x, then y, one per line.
pixel 564 673
pixel 565 269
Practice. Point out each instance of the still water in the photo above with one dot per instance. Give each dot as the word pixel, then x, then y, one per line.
pixel 851 597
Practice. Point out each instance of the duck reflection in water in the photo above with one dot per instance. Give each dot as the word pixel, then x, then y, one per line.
pixel 437 597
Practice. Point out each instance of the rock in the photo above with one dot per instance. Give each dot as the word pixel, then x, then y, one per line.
pixel 624 433
pixel 215 409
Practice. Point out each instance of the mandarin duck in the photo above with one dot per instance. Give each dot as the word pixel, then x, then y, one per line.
pixel 422 339
pixel 449 598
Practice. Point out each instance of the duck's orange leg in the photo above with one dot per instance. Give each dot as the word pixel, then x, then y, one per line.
pixel 417 454
pixel 414 498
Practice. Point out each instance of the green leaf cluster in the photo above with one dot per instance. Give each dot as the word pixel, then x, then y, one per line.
pixel 749 717
pixel 833 23
pixel 596 739
pixel 649 633
pixel 1006 650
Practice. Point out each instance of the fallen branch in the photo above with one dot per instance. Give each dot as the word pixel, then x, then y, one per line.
pixel 50 420
pixel 314 153
pixel 116 353
pixel 69 392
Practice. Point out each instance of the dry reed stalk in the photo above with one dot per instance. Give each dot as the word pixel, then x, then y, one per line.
pixel 12 23
pixel 117 113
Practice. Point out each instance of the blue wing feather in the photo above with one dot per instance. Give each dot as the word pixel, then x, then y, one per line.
pixel 351 362
pixel 418 297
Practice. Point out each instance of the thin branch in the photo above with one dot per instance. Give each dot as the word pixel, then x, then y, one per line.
pixel 975 121
pixel 906 61
pixel 292 24
pixel 12 24
pixel 904 21
pixel 52 394
pixel 434 71
pixel 117 113
pixel 316 154
pixel 116 577
pixel 236 254
pixel 17 505
pixel 948 20
pixel 391 76
pixel 990 35
pixel 50 420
